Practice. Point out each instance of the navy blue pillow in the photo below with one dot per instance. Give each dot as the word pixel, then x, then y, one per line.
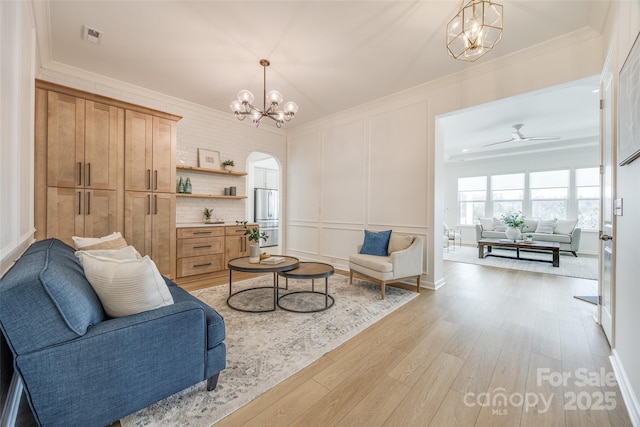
pixel 376 243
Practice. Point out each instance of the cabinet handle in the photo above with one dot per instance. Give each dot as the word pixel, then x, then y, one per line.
pixel 79 202
pixel 88 212
pixel 202 246
pixel 87 172
pixel 79 173
pixel 202 232
pixel 243 244
pixel 155 204
pixel 201 265
pixel 148 182
pixel 148 204
pixel 155 179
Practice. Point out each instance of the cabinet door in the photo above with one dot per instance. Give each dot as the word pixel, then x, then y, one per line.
pixel 163 233
pixel 234 247
pixel 101 212
pixel 164 155
pixel 138 146
pixel 137 220
pixel 65 213
pixel 65 140
pixel 103 130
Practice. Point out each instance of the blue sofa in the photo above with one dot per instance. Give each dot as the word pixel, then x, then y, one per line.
pixel 81 368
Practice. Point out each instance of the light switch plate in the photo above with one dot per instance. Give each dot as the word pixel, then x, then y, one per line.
pixel 617 207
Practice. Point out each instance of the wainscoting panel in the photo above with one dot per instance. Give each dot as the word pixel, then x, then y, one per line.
pixel 343 186
pixel 398 160
pixel 304 178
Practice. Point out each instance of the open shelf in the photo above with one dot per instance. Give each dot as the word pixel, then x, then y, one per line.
pixel 206 170
pixel 209 196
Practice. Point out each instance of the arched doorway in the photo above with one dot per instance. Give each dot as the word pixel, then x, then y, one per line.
pixel 264 183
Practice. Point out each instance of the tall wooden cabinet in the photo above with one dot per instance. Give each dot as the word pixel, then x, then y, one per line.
pixel 103 165
pixel 150 184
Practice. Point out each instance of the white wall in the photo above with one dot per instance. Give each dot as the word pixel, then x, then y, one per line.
pixel 623 26
pixel 379 166
pixel 583 157
pixel 17 48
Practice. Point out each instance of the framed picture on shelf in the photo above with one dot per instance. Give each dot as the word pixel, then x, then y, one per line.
pixel 629 107
pixel 208 159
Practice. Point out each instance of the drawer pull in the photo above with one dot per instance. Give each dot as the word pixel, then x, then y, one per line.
pixel 202 246
pixel 202 232
pixel 201 265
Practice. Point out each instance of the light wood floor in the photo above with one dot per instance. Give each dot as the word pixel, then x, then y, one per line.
pixel 488 331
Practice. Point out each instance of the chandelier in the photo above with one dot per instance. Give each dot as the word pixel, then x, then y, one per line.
pixel 243 107
pixel 475 30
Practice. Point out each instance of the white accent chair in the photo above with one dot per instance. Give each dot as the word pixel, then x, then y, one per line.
pixel 403 262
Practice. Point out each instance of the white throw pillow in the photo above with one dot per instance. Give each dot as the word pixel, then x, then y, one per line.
pixel 112 241
pixel 498 225
pixel 487 223
pixel 546 227
pixel 565 226
pixel 126 287
pixel 125 253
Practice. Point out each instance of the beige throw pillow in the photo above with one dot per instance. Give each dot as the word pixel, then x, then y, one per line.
pixel 126 287
pixel 399 242
pixel 128 252
pixel 112 241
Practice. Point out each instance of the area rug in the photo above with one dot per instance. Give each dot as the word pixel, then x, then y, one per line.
pixel 585 267
pixel 266 348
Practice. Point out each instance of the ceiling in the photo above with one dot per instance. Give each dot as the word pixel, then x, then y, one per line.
pixel 326 56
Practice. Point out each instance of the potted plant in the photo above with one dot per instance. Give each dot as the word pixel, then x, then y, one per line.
pixel 514 222
pixel 254 235
pixel 207 214
pixel 528 238
pixel 228 165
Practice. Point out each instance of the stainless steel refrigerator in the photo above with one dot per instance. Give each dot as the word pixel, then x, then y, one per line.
pixel 266 214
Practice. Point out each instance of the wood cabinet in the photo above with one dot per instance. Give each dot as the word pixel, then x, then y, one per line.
pixel 200 250
pixel 150 147
pixel 79 143
pixel 236 243
pixel 104 165
pixel 78 212
pixel 150 222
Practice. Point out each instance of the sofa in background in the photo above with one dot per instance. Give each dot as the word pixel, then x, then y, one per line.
pixel 78 366
pixel 563 231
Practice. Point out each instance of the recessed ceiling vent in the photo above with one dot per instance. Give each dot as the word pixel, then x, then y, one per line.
pixel 91 34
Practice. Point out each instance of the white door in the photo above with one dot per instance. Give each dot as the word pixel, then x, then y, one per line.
pixel 607 219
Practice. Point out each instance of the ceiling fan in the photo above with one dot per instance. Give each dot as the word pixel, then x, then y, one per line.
pixel 517 136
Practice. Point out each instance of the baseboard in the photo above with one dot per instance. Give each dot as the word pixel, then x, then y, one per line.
pixel 628 395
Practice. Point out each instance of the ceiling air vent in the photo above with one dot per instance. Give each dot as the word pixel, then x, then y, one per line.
pixel 91 34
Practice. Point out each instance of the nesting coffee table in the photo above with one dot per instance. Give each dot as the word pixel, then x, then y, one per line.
pixel 554 247
pixel 308 270
pixel 243 264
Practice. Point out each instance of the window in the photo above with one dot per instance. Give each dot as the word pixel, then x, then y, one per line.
pixel 507 192
pixel 588 196
pixel 472 193
pixel 549 194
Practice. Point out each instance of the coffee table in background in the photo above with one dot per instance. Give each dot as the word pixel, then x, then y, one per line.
pixel 554 247
pixel 243 264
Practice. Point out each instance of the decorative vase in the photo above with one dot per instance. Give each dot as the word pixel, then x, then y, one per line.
pixel 228 168
pixel 254 253
pixel 512 233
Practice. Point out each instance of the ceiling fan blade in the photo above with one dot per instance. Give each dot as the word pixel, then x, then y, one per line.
pixel 501 142
pixel 541 138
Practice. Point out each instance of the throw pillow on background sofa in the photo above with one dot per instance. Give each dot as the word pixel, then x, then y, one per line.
pixel 112 241
pixel 565 226
pixel 546 227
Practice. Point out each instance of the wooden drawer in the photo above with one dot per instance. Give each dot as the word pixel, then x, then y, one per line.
pixel 200 246
pixel 200 265
pixel 186 233
pixel 238 231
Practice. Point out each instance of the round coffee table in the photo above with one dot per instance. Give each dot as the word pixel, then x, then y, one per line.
pixel 243 264
pixel 308 270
